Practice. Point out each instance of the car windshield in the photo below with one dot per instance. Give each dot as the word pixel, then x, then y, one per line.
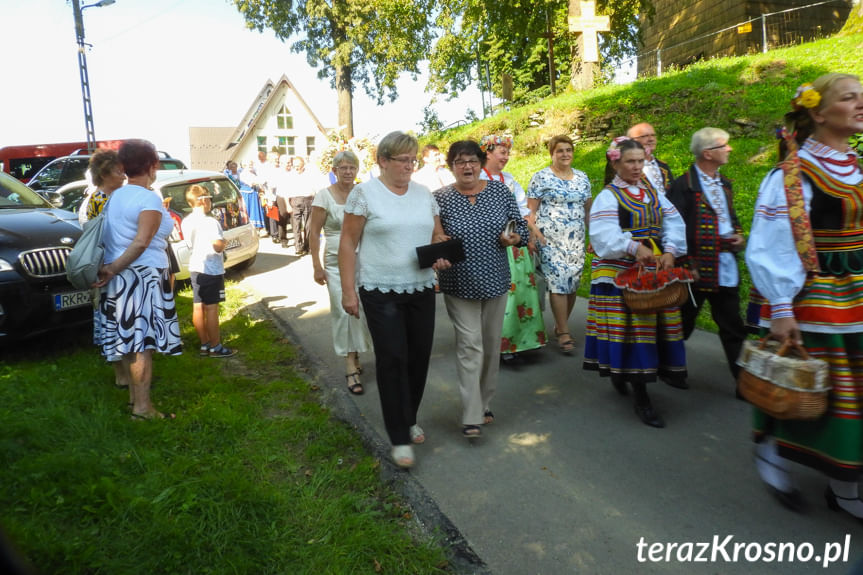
pixel 225 200
pixel 14 194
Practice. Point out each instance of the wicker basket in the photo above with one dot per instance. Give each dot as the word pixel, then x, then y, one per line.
pixel 672 295
pixel 783 386
pixel 648 291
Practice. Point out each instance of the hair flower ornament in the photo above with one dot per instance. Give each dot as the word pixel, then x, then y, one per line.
pixel 487 143
pixel 613 152
pixel 806 97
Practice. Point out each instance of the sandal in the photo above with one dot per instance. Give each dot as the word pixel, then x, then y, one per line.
pixel 403 456
pixel 471 431
pixel 566 347
pixel 488 417
pixel 356 387
pixel 153 416
pixel 417 434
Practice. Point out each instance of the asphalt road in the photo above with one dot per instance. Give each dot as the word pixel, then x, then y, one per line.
pixel 567 479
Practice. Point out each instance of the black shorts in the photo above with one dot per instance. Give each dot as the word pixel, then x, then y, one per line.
pixel 207 289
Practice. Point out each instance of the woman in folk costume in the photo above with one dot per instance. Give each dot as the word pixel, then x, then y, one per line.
pixel 632 224
pixel 523 326
pixel 806 259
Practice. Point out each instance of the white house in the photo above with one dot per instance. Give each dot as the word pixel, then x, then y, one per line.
pixel 278 119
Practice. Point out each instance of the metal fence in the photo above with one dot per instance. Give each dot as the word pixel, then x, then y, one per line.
pixel 776 29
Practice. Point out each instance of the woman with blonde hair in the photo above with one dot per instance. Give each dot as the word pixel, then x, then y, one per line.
pixel 386 219
pixel 350 336
pixel 805 256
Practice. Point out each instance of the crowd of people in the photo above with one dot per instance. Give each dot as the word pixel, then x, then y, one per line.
pixel 498 248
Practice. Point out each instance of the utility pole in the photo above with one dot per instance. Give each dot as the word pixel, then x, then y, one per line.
pixel 85 80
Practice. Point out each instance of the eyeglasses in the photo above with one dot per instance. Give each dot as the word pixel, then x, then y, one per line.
pixel 462 163
pixel 405 161
pixel 719 147
pixel 346 168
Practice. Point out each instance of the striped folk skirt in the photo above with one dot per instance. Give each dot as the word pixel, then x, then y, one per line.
pixel 632 347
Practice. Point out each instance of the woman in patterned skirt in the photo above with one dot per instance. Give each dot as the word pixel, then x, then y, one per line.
pixel 806 258
pixel 559 197
pixel 136 305
pixel 523 326
pixel 631 224
pixel 477 212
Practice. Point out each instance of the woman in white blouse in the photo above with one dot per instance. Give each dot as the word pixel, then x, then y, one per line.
pixel 350 336
pixel 805 256
pixel 393 216
pixel 631 223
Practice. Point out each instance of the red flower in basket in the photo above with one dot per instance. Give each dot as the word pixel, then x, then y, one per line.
pixel 639 279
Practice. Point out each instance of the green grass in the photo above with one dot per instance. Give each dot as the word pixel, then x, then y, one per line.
pixel 254 475
pixel 745 96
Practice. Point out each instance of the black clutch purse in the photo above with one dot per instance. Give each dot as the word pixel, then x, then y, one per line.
pixel 452 250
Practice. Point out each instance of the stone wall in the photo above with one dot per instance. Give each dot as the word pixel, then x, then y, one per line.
pixel 684 30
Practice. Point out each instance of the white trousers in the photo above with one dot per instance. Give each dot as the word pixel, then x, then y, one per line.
pixel 477 323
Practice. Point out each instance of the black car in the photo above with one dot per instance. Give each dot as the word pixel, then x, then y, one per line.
pixel 67 169
pixel 35 239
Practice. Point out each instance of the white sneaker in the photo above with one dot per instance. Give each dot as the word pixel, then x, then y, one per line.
pixel 417 434
pixel 403 456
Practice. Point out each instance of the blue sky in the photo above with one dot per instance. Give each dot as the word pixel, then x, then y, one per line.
pixel 157 67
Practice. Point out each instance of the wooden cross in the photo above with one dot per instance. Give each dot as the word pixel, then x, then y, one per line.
pixel 583 20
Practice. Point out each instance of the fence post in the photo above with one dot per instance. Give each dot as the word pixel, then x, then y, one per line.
pixel 764 33
pixel 659 62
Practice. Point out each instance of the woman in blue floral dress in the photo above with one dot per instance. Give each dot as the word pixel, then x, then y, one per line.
pixel 559 197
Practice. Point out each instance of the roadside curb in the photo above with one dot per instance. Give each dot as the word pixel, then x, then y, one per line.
pixel 463 560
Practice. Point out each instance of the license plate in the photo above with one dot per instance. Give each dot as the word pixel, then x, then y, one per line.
pixel 71 300
pixel 232 243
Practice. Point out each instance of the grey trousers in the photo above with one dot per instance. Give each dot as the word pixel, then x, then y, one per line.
pixel 478 324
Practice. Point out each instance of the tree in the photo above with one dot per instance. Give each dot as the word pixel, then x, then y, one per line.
pixel 431 121
pixel 512 37
pixel 366 42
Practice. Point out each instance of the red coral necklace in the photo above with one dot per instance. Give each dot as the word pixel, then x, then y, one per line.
pixel 843 168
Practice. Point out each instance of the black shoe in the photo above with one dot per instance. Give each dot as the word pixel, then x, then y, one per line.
pixel 620 387
pixel 511 359
pixel 648 416
pixel 675 383
pixel 831 498
pixel 791 500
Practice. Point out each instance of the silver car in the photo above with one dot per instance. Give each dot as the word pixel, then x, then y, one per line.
pixel 241 237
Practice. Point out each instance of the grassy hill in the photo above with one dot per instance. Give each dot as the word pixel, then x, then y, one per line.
pixel 745 96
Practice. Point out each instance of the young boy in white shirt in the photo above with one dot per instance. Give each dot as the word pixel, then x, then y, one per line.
pixel 204 236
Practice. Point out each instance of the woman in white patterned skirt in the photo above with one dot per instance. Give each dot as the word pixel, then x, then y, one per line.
pixel 137 301
pixel 350 335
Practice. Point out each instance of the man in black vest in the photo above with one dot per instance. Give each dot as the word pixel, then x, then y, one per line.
pixel 713 238
pixel 657 173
